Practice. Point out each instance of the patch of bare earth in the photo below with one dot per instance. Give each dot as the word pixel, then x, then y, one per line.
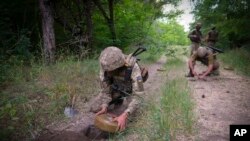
pixel 220 101
pixel 74 129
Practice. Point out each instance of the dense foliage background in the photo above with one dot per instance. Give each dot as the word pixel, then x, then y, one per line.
pixel 231 17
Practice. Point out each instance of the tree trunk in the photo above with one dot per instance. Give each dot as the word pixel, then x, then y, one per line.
pixel 88 19
pixel 109 19
pixel 48 30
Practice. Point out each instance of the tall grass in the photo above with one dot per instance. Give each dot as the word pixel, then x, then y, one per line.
pixel 173 114
pixel 36 95
pixel 239 59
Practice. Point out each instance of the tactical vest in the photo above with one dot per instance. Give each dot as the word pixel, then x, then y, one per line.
pixel 120 79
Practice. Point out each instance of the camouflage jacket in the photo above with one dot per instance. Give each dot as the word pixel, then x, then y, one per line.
pixel 210 58
pixel 195 36
pixel 133 86
pixel 213 36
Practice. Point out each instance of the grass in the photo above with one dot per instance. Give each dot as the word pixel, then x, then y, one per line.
pixel 36 96
pixel 239 59
pixel 167 114
pixel 173 114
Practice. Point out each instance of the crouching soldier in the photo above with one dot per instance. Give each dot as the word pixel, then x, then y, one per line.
pixel 121 86
pixel 206 57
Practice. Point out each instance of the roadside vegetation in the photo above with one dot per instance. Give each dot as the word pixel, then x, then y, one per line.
pixel 237 59
pixel 37 95
pixel 171 114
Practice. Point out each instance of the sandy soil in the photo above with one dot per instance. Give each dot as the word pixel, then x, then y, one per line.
pixel 220 101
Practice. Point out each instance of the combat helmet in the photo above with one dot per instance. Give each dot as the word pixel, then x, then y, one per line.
pixel 201 52
pixel 198 24
pixel 111 58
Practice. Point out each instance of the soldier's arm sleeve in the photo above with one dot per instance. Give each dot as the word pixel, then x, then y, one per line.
pixel 210 59
pixel 104 95
pixel 191 61
pixel 210 64
pixel 138 89
pixel 194 57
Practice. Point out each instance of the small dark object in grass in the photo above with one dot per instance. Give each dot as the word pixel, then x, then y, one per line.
pixel 161 69
pixel 228 68
pixel 203 96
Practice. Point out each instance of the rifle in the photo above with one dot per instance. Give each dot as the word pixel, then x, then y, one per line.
pixel 134 54
pixel 213 48
pixel 124 94
pixel 138 51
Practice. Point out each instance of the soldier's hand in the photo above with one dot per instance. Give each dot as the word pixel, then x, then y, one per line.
pixel 202 73
pixel 194 73
pixel 102 111
pixel 202 77
pixel 122 119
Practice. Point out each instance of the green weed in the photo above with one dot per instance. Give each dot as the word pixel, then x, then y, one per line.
pixel 26 105
pixel 238 59
pixel 172 114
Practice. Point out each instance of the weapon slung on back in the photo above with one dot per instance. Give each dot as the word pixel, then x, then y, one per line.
pixel 139 51
pixel 213 48
pixel 216 49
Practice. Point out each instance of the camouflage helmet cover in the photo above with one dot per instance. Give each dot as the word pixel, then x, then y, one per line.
pixel 111 58
pixel 201 52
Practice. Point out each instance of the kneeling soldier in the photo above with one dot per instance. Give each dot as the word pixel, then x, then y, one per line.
pixel 121 85
pixel 206 57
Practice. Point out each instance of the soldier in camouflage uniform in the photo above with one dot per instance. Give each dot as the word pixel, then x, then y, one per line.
pixel 212 37
pixel 195 36
pixel 123 73
pixel 206 57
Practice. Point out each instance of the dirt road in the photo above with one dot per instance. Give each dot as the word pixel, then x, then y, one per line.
pixel 220 101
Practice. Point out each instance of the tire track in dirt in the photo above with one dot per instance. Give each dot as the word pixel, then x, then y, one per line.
pixel 220 101
pixel 73 129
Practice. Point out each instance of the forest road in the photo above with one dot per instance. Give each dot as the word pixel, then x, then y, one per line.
pixel 221 101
